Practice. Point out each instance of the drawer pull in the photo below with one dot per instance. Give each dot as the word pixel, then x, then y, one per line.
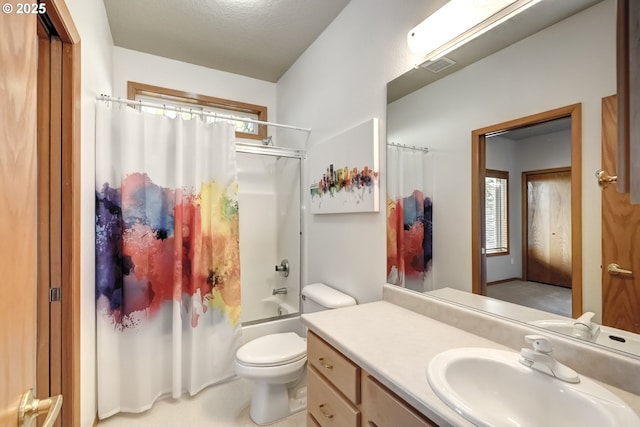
pixel 326 414
pixel 325 364
pixel 372 424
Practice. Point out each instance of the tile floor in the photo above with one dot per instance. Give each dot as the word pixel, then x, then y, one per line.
pixel 223 405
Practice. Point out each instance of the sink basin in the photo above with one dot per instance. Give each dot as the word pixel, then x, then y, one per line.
pixel 491 388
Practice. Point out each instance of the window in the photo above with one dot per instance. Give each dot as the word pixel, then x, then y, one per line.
pixel 497 212
pixel 195 102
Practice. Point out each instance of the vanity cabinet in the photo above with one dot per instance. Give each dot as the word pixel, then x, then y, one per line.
pixel 383 408
pixel 333 386
pixel 342 394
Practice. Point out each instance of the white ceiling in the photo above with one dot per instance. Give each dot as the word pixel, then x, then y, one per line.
pixel 253 38
pixel 539 129
pixel 534 19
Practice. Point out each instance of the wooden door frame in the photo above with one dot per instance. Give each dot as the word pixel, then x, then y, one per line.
pixel 525 213
pixel 60 18
pixel 478 166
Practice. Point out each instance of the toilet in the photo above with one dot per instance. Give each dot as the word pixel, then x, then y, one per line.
pixel 276 362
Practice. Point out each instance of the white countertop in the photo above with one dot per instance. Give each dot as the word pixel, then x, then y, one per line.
pixel 395 345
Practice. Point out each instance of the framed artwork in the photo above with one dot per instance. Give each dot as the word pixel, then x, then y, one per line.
pixel 344 171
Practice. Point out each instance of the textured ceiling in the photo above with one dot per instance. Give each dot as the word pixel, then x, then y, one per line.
pixel 253 38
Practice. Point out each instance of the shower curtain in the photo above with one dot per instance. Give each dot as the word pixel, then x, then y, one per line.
pixel 167 257
pixel 409 214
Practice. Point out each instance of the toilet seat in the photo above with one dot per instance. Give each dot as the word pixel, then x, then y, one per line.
pixel 273 350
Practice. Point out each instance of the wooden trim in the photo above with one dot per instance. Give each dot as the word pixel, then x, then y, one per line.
pixel 43 175
pixel 60 17
pixel 576 211
pixel 496 254
pixel 494 173
pixel 134 88
pixel 478 154
pixel 478 259
pixel 633 115
pixel 71 220
pixel 56 260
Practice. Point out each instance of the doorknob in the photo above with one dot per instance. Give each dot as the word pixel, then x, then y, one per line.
pixel 604 180
pixel 30 408
pixel 615 269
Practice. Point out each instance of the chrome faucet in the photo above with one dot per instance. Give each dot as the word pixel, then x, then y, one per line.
pixel 283 268
pixel 539 358
pixel 278 291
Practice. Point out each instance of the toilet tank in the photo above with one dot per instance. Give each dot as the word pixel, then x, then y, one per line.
pixel 318 297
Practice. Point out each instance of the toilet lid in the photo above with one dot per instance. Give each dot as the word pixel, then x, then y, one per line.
pixel 273 350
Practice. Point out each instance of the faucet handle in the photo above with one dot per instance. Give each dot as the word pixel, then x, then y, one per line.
pixel 586 319
pixel 539 343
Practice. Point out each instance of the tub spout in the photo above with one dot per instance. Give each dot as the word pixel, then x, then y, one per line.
pixel 279 291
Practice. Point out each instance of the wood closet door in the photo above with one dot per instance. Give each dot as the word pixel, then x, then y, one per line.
pixel 620 238
pixel 548 236
pixel 18 191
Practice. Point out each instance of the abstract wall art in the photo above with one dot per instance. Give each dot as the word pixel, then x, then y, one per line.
pixel 344 171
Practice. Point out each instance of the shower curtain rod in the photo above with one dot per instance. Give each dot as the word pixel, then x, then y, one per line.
pixel 108 98
pixel 408 147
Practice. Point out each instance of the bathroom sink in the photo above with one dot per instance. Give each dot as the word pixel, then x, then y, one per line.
pixel 491 388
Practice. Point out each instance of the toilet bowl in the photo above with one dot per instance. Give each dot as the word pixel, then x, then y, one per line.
pixel 276 362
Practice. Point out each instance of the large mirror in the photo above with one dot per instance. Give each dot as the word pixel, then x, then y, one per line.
pixel 554 55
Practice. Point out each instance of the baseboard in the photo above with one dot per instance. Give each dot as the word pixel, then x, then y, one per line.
pixel 503 280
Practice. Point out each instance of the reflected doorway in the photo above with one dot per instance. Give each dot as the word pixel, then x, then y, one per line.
pixel 525 232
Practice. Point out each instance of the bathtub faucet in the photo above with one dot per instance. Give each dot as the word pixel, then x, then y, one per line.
pixel 278 291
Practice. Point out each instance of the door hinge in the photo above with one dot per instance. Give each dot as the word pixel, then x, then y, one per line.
pixel 55 294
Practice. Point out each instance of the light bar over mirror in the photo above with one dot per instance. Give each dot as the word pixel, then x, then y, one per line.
pixel 458 22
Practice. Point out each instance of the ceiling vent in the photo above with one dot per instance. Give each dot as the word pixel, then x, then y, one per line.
pixel 438 65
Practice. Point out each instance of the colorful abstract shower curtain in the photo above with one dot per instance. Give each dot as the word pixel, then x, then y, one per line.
pixel 409 218
pixel 167 257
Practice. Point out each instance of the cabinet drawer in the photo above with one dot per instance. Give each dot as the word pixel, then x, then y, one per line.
pixel 340 371
pixel 326 405
pixel 382 408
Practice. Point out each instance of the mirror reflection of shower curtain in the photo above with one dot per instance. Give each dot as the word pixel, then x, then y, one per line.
pixel 167 257
pixel 409 218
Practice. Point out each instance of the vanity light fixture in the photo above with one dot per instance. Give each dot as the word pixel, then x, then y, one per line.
pixel 458 22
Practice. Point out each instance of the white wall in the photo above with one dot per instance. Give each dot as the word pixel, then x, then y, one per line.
pixel 571 62
pixel 96 44
pixel 130 65
pixel 338 83
pixel 502 154
pixel 552 150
